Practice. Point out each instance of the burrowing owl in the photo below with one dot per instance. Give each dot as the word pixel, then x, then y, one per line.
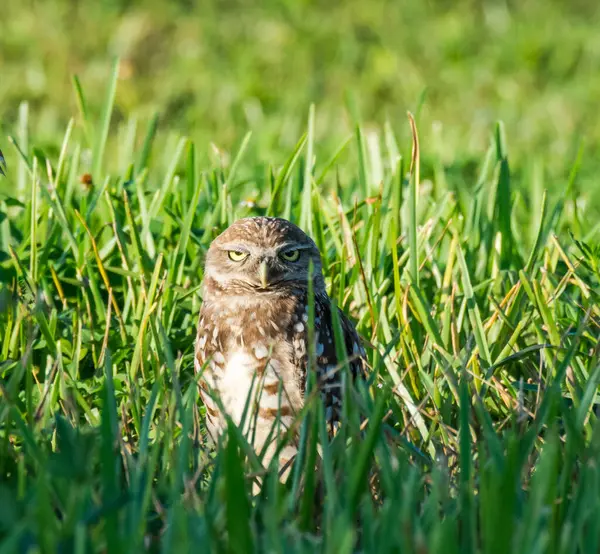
pixel 252 342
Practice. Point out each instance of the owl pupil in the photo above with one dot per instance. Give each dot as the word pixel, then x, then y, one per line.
pixel 291 256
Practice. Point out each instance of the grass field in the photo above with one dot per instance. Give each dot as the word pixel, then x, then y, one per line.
pixel 471 264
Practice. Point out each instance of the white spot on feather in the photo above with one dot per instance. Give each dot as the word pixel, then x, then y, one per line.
pixel 330 371
pixel 260 351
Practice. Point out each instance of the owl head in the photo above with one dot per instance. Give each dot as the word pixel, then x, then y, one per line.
pixel 263 255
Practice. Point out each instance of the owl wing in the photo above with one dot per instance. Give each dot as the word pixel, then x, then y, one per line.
pixel 354 348
pixel 330 370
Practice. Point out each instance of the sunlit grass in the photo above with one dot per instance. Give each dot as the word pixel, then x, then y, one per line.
pixel 479 422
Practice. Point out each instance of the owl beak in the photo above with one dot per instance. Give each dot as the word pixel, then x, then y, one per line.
pixel 263 274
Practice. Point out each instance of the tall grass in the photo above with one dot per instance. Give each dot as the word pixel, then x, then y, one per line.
pixel 481 308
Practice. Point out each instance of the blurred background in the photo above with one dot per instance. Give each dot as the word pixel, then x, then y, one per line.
pixel 218 68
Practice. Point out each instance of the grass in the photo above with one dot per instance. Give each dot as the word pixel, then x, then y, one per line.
pixel 477 287
pixel 214 70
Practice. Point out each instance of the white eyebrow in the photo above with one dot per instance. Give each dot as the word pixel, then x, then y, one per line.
pixel 235 246
pixel 293 246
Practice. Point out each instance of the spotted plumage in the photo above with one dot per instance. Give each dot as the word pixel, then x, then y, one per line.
pixel 252 346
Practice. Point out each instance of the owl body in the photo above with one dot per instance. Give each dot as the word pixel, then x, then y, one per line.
pixel 252 344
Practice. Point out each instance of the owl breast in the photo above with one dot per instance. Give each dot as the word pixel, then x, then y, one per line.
pixel 253 366
pixel 265 380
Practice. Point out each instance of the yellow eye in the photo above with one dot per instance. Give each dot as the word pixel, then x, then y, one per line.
pixel 290 255
pixel 236 255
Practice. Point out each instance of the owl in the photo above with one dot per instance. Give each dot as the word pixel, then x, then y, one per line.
pixel 252 345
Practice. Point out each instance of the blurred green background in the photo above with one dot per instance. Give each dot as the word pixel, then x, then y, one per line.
pixel 215 69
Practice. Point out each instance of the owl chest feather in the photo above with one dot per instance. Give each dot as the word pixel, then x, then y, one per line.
pixel 254 357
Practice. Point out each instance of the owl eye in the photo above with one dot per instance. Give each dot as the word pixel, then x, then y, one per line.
pixel 290 255
pixel 236 255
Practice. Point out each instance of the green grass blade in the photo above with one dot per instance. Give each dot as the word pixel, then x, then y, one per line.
pixel 104 123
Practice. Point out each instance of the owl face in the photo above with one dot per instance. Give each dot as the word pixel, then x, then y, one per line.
pixel 263 254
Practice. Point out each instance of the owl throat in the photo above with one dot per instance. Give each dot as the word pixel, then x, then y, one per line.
pixel 249 319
